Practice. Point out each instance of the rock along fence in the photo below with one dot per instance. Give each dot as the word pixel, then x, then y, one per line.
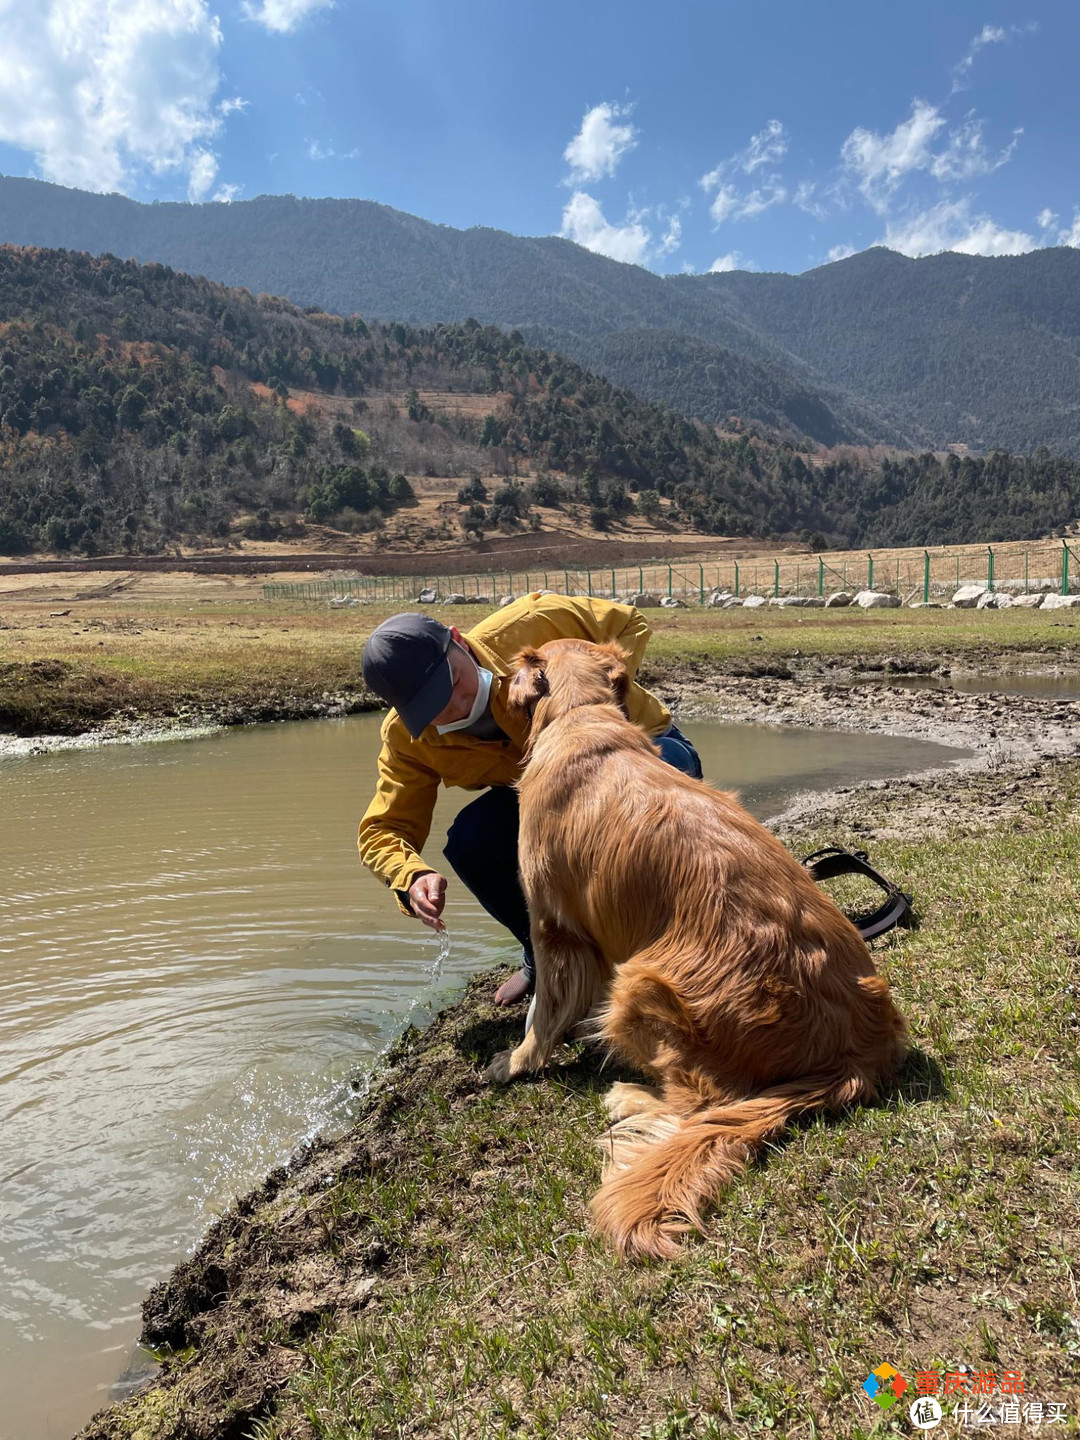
pixel 910 577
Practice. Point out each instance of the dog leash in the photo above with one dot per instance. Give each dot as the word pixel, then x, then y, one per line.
pixel 832 861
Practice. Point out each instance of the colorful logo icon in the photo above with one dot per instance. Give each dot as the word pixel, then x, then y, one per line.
pixel 925 1413
pixel 885 1386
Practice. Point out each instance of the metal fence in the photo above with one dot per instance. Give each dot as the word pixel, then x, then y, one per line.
pixel 911 574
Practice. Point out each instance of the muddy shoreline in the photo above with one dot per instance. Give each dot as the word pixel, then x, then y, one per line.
pixel 775 692
pixel 286 1261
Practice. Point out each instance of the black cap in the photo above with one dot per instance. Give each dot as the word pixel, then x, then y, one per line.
pixel 405 664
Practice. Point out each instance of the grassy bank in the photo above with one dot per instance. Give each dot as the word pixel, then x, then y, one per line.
pixel 117 662
pixel 434 1275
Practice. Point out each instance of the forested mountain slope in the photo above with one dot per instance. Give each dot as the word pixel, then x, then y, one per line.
pixel 873 348
pixel 140 406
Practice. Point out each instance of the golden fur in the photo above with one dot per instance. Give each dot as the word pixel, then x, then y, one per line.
pixel 706 955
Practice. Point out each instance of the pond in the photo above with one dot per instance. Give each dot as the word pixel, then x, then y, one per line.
pixel 194 968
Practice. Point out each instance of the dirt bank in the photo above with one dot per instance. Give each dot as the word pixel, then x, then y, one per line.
pixel 432 1272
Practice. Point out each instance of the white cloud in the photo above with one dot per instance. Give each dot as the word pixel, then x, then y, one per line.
pixel 583 222
pixel 804 199
pixel 1046 218
pixel 226 194
pixel 879 162
pixel 841 252
pixel 759 201
pixel 767 147
pixel 966 156
pixel 101 90
pixel 600 143
pixel 317 151
pixel 988 35
pixel 281 16
pixel 230 107
pixel 1072 235
pixel 950 225
pixel 201 175
pixel 724 263
pixel 672 237
pixel 729 204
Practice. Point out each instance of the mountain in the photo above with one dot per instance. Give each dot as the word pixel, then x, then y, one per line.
pixel 875 348
pixel 140 407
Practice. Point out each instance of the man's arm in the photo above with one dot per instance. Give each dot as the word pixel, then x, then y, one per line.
pixel 398 821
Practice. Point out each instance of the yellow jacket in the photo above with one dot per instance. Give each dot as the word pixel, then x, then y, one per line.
pixel 398 820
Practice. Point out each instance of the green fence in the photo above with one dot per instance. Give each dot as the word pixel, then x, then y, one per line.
pixel 927 576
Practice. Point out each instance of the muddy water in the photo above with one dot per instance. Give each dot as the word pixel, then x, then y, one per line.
pixel 192 966
pixel 1041 687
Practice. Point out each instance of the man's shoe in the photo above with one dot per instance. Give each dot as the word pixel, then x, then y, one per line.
pixel 518 987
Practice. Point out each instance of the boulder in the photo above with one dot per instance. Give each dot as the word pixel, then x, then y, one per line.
pixel 838 597
pixel 427 596
pixel 453 599
pixel 993 600
pixel 506 600
pixel 672 602
pixel 723 600
pixel 1060 602
pixel 926 605
pixel 967 597
pixel 1029 602
pixel 876 600
pixel 752 602
pixel 645 601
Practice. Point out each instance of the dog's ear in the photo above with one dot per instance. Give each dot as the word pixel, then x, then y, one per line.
pixel 615 658
pixel 530 683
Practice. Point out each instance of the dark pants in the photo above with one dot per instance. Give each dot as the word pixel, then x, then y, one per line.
pixel 482 846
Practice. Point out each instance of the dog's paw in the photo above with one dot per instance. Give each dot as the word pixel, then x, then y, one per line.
pixel 623 1100
pixel 498 1072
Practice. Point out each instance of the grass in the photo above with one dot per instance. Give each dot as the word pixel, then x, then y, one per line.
pixel 938 1228
pixel 109 661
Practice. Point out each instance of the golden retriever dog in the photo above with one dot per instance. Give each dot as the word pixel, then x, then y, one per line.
pixel 704 953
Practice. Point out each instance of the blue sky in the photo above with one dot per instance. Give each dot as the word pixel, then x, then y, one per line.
pixel 772 136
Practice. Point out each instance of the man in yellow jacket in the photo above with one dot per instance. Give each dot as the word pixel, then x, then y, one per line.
pixel 450 726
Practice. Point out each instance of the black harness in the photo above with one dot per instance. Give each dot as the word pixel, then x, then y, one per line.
pixel 827 864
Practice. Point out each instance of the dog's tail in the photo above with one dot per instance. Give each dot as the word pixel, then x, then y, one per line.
pixel 662 1169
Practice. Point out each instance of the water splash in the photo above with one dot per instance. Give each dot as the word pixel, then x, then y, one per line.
pixel 441 958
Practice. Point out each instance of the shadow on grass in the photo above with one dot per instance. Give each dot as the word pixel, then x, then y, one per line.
pixel 588 1069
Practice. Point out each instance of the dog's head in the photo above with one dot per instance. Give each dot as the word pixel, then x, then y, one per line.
pixel 563 675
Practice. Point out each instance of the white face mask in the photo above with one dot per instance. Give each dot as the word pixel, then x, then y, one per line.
pixel 483 689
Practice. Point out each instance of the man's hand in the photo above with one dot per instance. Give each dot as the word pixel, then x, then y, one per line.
pixel 427 896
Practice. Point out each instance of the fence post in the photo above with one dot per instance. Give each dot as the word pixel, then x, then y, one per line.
pixel 640 580
pixel 776 577
pixel 670 583
pixel 736 579
pixel 613 582
pixel 1027 586
pixel 701 582
pixel 1064 567
pixel 926 577
pixel 898 575
pixel 589 574
pixel 820 576
pixel 870 572
pixel 989 567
